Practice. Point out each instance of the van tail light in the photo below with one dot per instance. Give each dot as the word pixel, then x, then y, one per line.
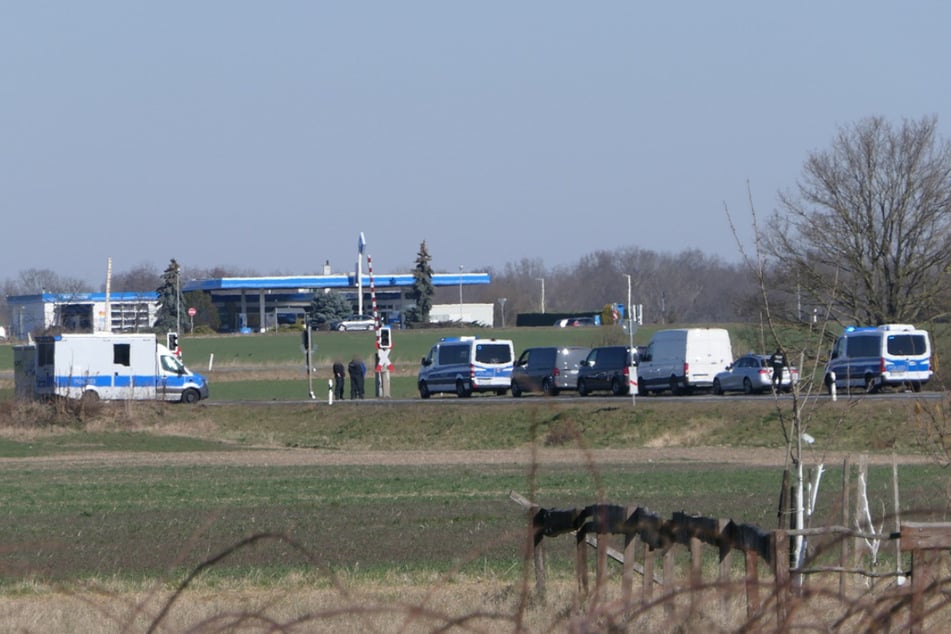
pixel 881 365
pixel 626 371
pixel 472 374
pixel 686 368
pixel 556 372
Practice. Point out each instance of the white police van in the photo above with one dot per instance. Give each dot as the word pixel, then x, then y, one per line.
pixel 463 365
pixel 876 357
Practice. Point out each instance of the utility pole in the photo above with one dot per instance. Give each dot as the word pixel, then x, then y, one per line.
pixel 542 280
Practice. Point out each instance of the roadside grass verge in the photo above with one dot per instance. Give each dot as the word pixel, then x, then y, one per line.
pixel 859 425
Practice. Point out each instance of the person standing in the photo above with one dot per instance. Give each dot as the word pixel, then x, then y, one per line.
pixel 339 377
pixel 778 361
pixel 357 371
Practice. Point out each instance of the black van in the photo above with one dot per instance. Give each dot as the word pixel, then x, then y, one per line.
pixel 549 369
pixel 607 368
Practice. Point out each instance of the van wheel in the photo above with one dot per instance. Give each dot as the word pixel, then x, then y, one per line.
pixel 642 388
pixel 582 388
pixel 516 390
pixel 462 390
pixel 89 397
pixel 424 390
pixel 190 396
pixel 915 386
pixel 871 386
pixel 616 387
pixel 548 388
pixel 717 388
pixel 675 388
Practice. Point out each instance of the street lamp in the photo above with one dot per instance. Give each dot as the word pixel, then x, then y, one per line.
pixel 461 267
pixel 542 280
pixel 502 301
pixel 630 334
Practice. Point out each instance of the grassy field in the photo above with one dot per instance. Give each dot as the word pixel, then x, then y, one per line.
pixel 124 496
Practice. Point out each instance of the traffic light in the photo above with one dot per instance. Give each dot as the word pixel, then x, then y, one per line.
pixel 386 339
pixel 171 339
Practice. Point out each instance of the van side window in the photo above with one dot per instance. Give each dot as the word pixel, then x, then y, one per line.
pixel 863 346
pixel 121 354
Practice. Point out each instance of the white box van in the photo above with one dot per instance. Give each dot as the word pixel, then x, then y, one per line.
pixel 110 366
pixel 683 359
pixel 463 365
pixel 873 358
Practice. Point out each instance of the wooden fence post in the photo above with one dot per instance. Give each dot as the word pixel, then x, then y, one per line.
pixel 752 583
pixel 630 548
pixel 669 585
pixel 648 589
pixel 781 573
pixel 724 553
pixel 844 542
pixel 922 540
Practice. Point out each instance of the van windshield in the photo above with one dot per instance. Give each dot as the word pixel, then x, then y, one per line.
pixel 493 353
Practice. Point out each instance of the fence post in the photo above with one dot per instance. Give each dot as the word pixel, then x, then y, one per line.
pixel 922 540
pixel 845 541
pixel 648 588
pixel 669 585
pixel 781 573
pixel 630 548
pixel 725 551
pixel 581 564
pixel 602 567
pixel 752 583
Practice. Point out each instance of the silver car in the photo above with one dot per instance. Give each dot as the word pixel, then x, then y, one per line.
pixel 752 374
pixel 354 322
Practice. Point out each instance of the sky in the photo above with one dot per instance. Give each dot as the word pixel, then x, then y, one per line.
pixel 266 136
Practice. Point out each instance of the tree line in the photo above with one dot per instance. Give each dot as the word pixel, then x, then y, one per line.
pixel 864 237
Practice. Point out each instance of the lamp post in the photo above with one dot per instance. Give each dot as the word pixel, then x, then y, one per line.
pixel 502 301
pixel 461 267
pixel 630 332
pixel 542 280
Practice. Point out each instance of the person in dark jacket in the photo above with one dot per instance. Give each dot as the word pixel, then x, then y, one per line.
pixel 778 361
pixel 357 371
pixel 339 378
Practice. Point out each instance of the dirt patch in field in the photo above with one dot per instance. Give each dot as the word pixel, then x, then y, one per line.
pixel 749 456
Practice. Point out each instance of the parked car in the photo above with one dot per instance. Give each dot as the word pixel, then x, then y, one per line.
pixel 354 322
pixel 752 374
pixel 571 322
pixel 548 369
pixel 607 368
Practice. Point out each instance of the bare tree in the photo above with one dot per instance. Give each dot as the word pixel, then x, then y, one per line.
pixel 870 223
pixel 142 278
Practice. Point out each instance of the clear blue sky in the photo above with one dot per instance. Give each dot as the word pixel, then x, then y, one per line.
pixel 268 135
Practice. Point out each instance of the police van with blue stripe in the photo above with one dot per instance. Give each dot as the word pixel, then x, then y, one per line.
pixel 463 365
pixel 873 358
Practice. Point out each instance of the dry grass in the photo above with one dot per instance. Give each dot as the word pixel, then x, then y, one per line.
pixel 436 605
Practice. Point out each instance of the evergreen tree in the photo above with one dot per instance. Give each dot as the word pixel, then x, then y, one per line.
pixel 423 290
pixel 326 307
pixel 170 299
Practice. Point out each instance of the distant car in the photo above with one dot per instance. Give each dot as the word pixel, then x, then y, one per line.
pixel 607 368
pixel 547 369
pixel 576 322
pixel 752 374
pixel 354 322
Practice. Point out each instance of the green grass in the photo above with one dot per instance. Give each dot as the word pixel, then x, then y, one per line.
pixel 65 523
